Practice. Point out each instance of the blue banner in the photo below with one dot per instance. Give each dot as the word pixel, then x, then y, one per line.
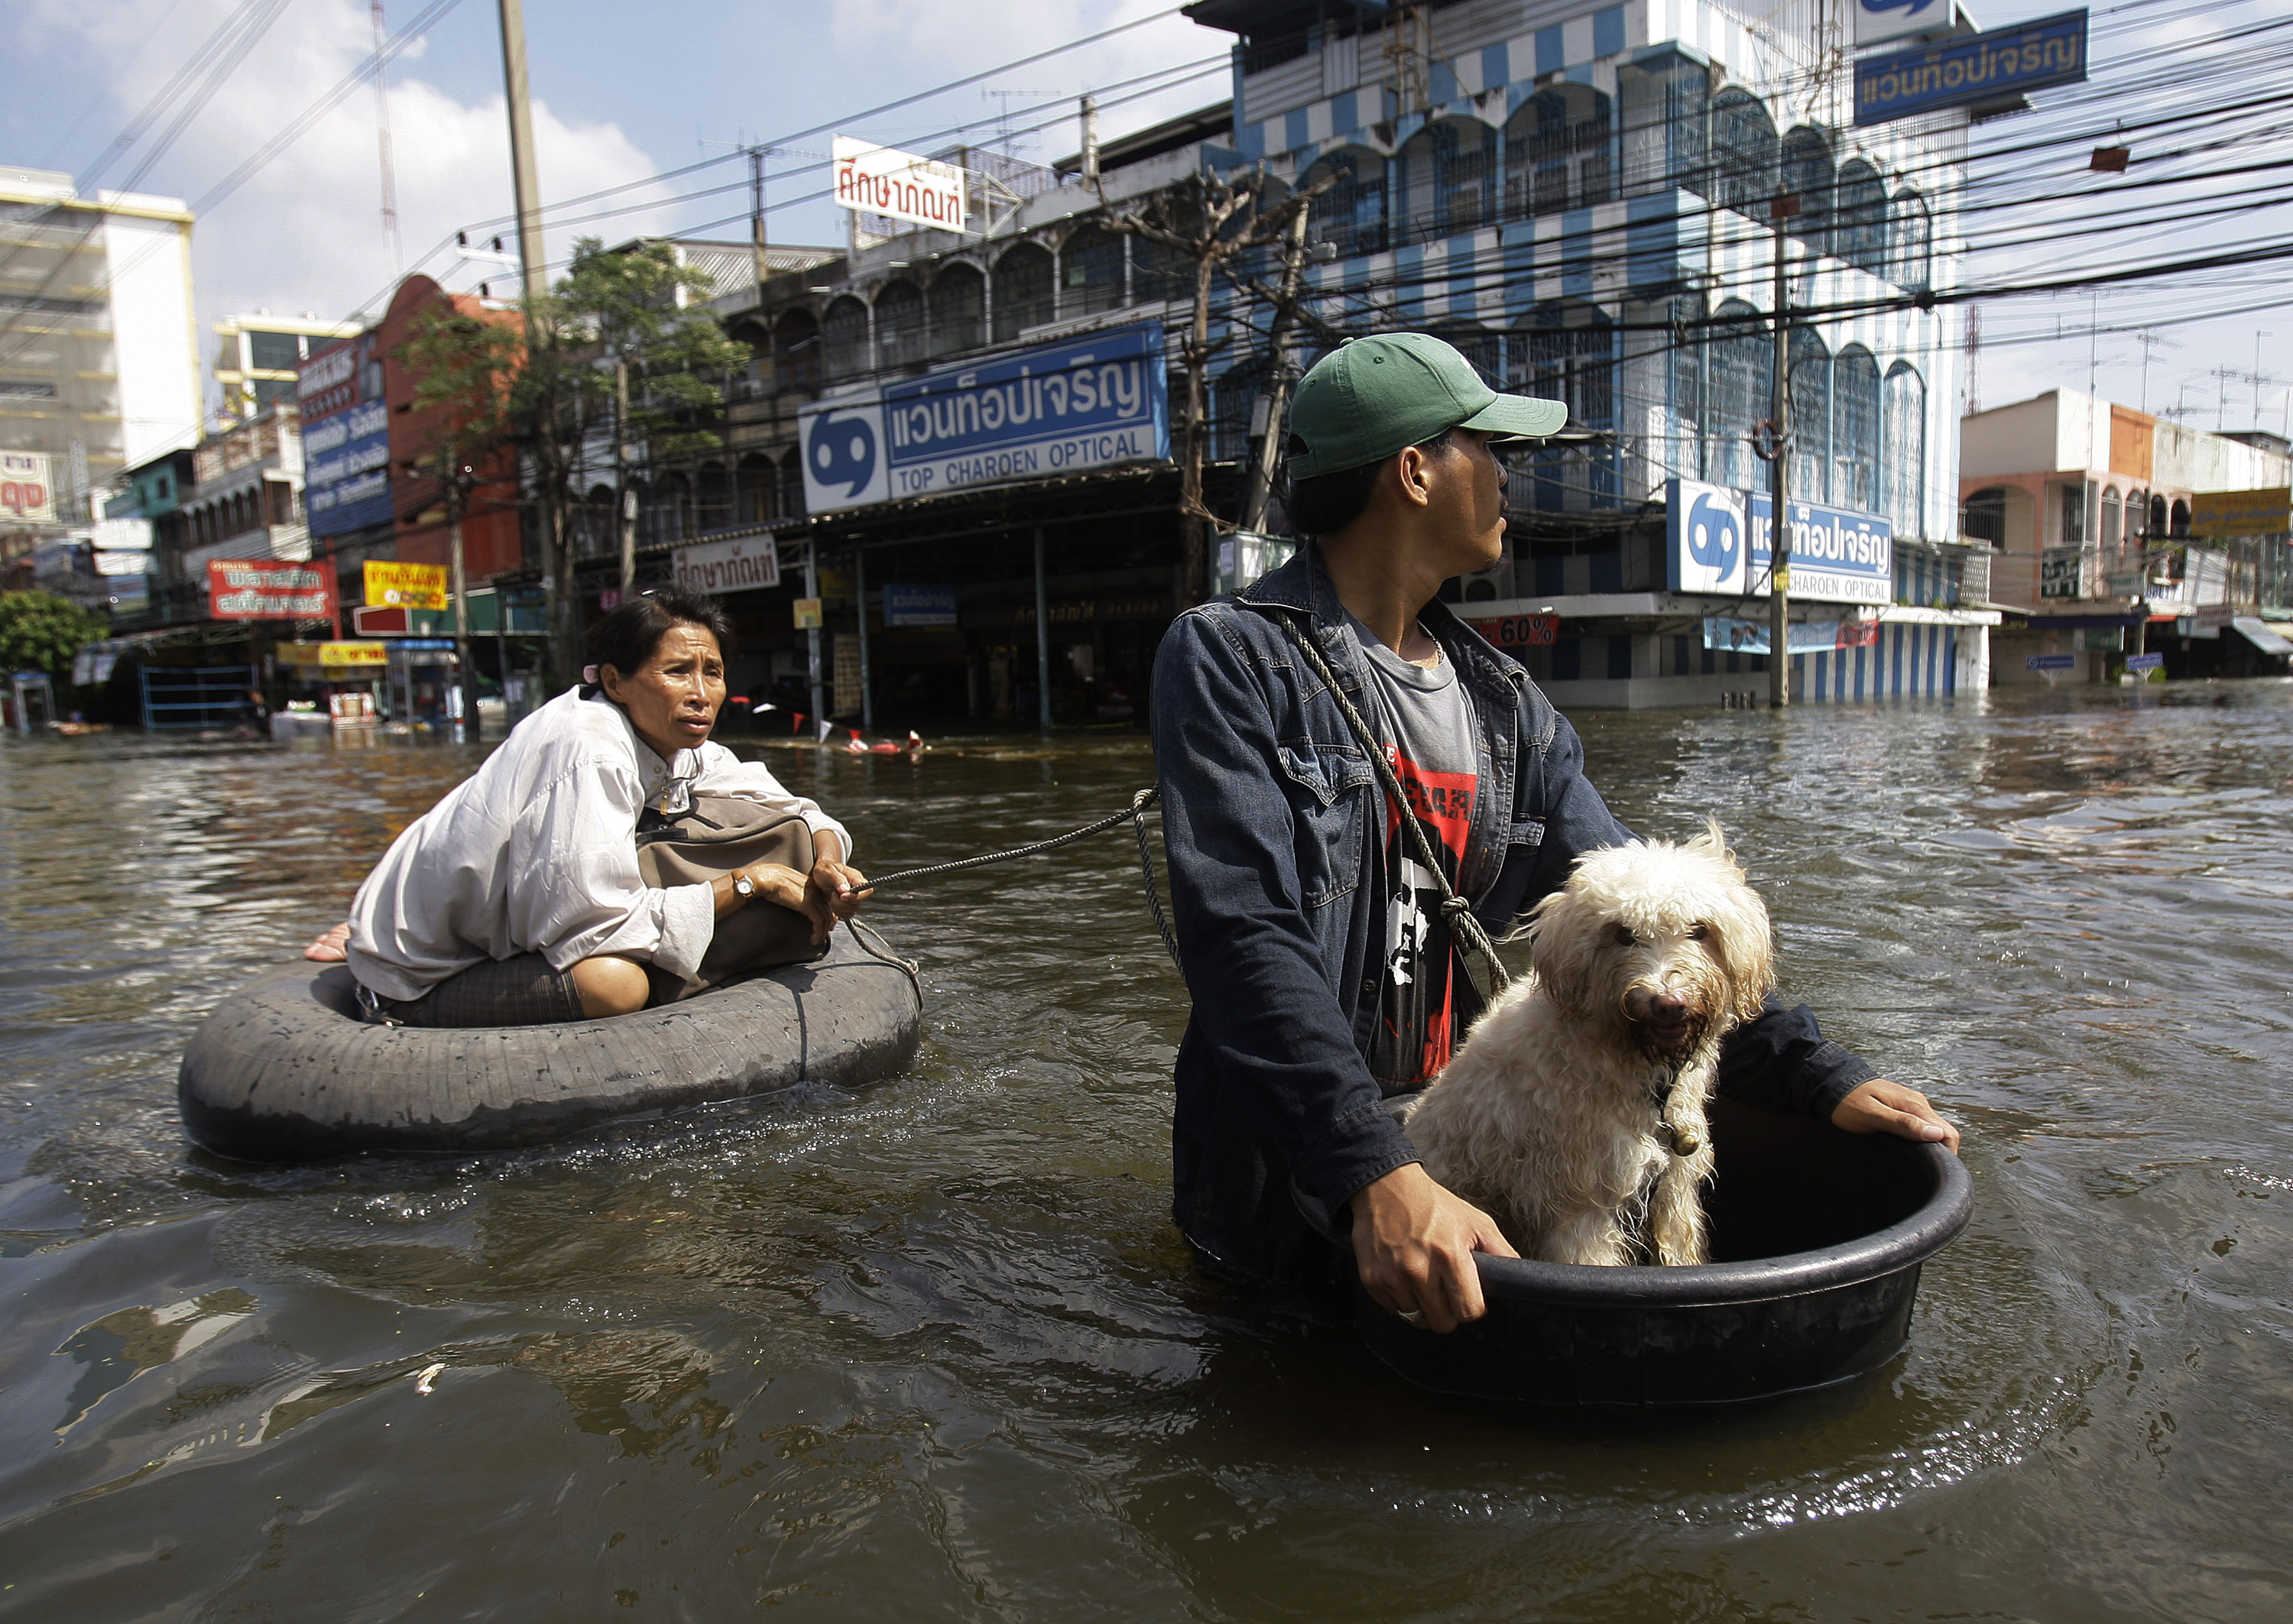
pixel 346 438
pixel 1716 543
pixel 1978 68
pixel 1097 401
pixel 347 470
pixel 908 604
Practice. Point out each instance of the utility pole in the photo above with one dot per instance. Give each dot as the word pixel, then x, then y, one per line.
pixel 629 494
pixel 458 481
pixel 757 210
pixel 557 556
pixel 1778 474
pixel 1279 369
pixel 526 179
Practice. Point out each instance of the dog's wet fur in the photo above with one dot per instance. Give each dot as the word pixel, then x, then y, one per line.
pixel 1553 1116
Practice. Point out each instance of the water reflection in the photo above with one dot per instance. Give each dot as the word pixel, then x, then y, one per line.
pixel 932 1348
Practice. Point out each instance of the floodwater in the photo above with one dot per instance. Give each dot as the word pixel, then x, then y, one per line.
pixel 932 1350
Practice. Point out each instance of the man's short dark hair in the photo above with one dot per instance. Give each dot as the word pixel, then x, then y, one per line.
pixel 1327 503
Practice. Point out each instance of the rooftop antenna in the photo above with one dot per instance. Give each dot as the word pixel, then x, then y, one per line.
pixel 382 132
pixel 2149 341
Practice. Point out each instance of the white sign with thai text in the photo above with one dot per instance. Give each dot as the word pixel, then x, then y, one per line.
pixel 749 564
pixel 873 180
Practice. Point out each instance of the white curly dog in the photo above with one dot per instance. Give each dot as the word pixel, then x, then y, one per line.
pixel 1574 1113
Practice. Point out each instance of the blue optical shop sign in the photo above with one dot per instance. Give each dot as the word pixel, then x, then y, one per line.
pixel 1098 401
pixel 1716 542
pixel 1977 67
pixel 1879 20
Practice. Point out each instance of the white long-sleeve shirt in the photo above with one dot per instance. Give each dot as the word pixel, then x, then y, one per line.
pixel 535 852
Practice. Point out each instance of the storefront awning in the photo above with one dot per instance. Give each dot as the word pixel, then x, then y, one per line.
pixel 2263 640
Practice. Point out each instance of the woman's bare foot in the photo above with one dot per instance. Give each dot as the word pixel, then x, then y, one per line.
pixel 328 949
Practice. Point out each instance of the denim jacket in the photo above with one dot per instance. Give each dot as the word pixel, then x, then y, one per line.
pixel 1270 819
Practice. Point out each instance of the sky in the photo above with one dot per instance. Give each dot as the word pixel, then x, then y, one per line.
pixel 616 101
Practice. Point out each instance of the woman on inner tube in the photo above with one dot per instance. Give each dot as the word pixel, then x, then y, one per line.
pixel 517 901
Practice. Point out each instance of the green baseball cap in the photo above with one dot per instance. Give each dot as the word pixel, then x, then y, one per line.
pixel 1370 397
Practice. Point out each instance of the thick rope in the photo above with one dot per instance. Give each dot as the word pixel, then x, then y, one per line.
pixel 1133 814
pixel 1467 929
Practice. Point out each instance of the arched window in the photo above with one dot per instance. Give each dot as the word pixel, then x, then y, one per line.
pixel 1661 104
pixel 1914 240
pixel 1350 216
pixel 1158 272
pixel 667 511
pixel 1743 151
pixel 1023 291
pixel 1566 350
pixel 1807 171
pixel 796 353
pixel 1855 430
pixel 1984 518
pixel 1448 172
pixel 2179 521
pixel 1741 367
pixel 1234 397
pixel 1905 444
pixel 712 498
pixel 2111 518
pixel 1859 226
pixel 1556 152
pixel 1811 417
pixel 900 325
pixel 2157 519
pixel 1091 272
pixel 844 341
pixel 791 495
pixel 958 308
pixel 757 482
pixel 2137 517
pixel 757 339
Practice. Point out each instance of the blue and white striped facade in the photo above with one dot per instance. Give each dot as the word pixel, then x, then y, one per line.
pixel 1652 241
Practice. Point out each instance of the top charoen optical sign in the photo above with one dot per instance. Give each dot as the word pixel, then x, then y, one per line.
pixel 873 180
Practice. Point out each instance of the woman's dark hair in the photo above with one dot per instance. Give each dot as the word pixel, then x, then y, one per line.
pixel 631 631
pixel 1327 503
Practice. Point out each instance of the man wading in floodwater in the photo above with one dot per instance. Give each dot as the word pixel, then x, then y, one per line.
pixel 1324 977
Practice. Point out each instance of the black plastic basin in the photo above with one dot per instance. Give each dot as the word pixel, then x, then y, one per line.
pixel 1818 1237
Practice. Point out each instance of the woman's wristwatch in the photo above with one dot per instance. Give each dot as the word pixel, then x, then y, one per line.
pixel 743 887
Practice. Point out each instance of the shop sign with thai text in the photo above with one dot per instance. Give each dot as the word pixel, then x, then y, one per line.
pixel 268 589
pixel 1988 66
pixel 1098 401
pixel 873 180
pixel 392 584
pixel 748 563
pixel 1716 543
pixel 2241 512
pixel 338 655
pixel 907 603
pixel 346 438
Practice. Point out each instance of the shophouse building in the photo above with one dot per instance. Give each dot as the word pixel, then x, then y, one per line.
pixel 2087 509
pixel 1577 197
